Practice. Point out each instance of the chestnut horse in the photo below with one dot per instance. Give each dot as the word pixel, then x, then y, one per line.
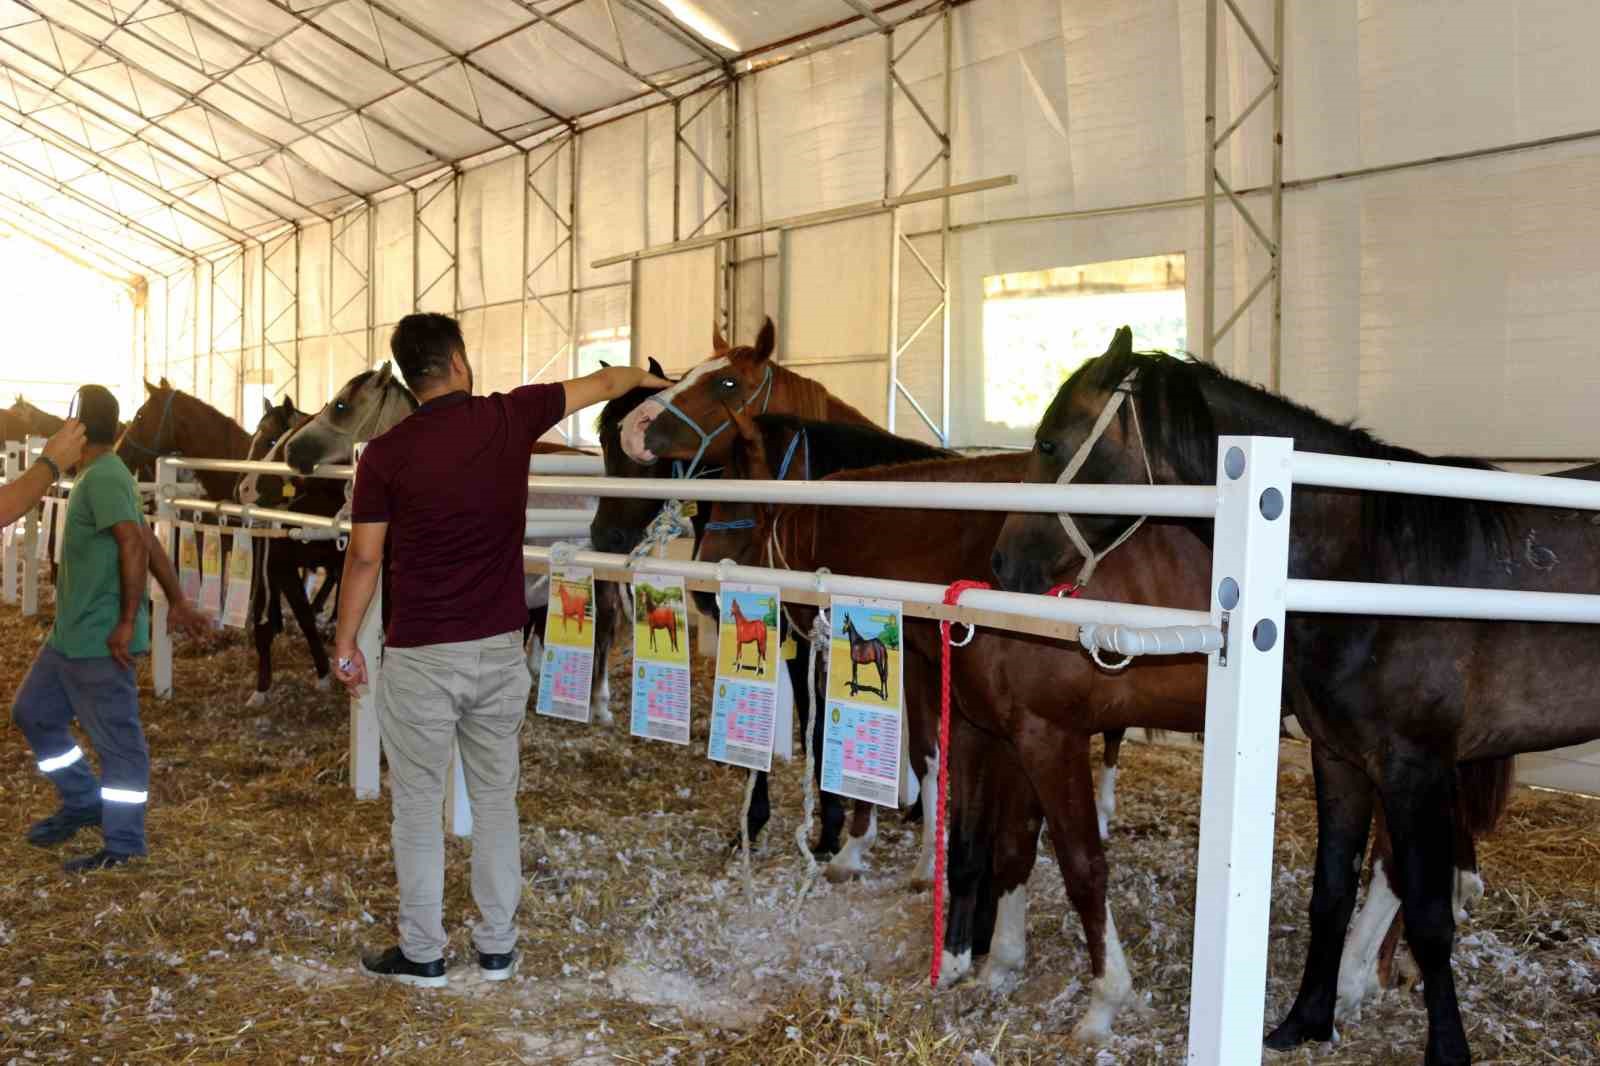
pixel 574 604
pixel 748 631
pixel 662 615
pixel 171 422
pixel 1400 710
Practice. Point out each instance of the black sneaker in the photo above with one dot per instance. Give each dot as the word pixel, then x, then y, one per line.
pixel 100 860
pixel 392 965
pixel 497 967
pixel 62 826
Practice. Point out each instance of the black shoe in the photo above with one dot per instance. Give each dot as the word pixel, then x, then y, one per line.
pixel 392 965
pixel 497 967
pixel 100 860
pixel 62 826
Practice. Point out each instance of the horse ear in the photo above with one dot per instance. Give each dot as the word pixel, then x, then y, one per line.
pixel 719 343
pixel 1121 342
pixel 266 406
pixel 385 375
pixel 605 364
pixel 766 341
pixel 151 389
pixel 165 384
pixel 655 368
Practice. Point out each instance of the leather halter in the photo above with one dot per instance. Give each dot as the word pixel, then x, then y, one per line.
pixel 1119 396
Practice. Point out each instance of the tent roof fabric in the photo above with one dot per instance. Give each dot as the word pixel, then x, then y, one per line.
pixel 162 129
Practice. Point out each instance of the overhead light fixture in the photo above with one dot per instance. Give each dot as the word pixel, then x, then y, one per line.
pixel 691 15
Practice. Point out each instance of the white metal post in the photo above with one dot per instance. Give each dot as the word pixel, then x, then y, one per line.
pixel 160 639
pixel 8 549
pixel 32 530
pixel 457 809
pixel 1249 579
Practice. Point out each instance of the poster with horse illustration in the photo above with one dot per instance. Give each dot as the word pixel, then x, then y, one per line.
pixel 660 659
pixel 163 532
pixel 864 720
pixel 745 693
pixel 237 602
pixel 568 668
pixel 188 563
pixel 211 575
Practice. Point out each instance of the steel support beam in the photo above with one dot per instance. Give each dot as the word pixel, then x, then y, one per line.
pixel 1270 236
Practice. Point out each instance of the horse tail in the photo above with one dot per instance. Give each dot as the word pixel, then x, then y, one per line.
pixel 1483 792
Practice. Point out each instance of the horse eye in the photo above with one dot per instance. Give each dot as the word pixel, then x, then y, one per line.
pixel 1046 447
pixel 340 406
pixel 727 384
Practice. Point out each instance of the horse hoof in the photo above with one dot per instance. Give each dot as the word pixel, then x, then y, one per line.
pixel 841 875
pixel 952 968
pixel 918 883
pixel 257 699
pixel 1292 1032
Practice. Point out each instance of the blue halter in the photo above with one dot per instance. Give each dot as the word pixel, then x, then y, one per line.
pixel 707 438
pixel 783 475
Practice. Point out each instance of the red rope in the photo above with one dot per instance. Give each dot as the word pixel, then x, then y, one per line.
pixel 951 596
pixel 1072 591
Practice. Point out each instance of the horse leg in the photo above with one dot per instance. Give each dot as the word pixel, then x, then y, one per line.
pixel 533 642
pixel 1418 790
pixel 851 860
pixel 1364 966
pixel 295 593
pixel 967 864
pixel 1015 821
pixel 1106 794
pixel 606 610
pixel 266 592
pixel 1344 814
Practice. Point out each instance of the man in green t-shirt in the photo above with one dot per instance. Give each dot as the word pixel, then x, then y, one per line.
pixel 85 671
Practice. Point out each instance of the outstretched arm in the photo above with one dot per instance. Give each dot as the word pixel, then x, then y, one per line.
pixel 607 384
pixel 61 451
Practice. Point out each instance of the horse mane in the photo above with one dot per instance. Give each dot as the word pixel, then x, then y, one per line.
pixel 948 466
pixel 811 400
pixel 1180 401
pixel 832 447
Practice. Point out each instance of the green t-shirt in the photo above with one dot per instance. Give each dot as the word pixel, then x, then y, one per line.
pixel 89 582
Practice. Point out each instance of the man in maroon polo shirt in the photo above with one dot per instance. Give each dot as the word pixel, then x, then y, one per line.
pixel 448 488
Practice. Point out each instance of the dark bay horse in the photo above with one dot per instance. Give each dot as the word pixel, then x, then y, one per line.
pixel 866 651
pixel 280 563
pixel 1394 705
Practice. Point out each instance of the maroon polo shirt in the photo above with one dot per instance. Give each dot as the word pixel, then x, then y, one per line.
pixel 452 482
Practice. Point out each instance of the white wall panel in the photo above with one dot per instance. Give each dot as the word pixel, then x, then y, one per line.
pixel 836 284
pixel 392 261
pixel 675 309
pixel 491 217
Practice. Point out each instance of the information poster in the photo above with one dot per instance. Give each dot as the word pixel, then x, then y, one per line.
pixel 240 561
pixel 211 574
pixel 865 719
pixel 660 659
pixel 188 563
pixel 47 521
pixel 60 528
pixel 744 695
pixel 568 670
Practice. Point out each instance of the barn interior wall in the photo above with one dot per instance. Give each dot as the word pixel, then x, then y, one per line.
pixel 1469 281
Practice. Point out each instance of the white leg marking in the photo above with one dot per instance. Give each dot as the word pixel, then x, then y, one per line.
pixel 851 860
pixel 1106 994
pixel 325 682
pixel 922 876
pixel 1008 951
pixel 257 699
pixel 535 656
pixel 600 700
pixel 1106 801
pixel 954 968
pixel 1358 965
pixel 1469 890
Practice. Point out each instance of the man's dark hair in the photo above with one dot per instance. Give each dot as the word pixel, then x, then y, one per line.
pixel 98 409
pixel 422 346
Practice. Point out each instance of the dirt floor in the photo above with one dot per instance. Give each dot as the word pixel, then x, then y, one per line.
pixel 237 940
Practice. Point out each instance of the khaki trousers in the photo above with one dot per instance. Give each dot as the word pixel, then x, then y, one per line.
pixel 474 693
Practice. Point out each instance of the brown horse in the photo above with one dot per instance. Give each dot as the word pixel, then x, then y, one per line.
pixel 748 631
pixel 170 422
pixel 23 420
pixel 1401 711
pixel 1045 698
pixel 574 604
pixel 866 652
pixel 657 615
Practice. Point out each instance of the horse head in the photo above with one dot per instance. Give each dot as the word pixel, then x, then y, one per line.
pixel 277 424
pixel 687 420
pixel 619 524
pixel 367 406
pixel 1090 434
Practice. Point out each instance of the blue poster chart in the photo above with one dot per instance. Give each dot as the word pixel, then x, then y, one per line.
pixel 864 718
pixel 744 695
pixel 660 699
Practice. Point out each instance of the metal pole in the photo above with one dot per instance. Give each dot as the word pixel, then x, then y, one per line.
pixel 416 254
pixel 1276 346
pixel 730 282
pixel 372 296
pixel 8 540
pixel 1233 884
pixel 677 168
pixel 572 277
pixel 1208 254
pixel 944 237
pixel 522 295
pixel 295 340
pixel 894 230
